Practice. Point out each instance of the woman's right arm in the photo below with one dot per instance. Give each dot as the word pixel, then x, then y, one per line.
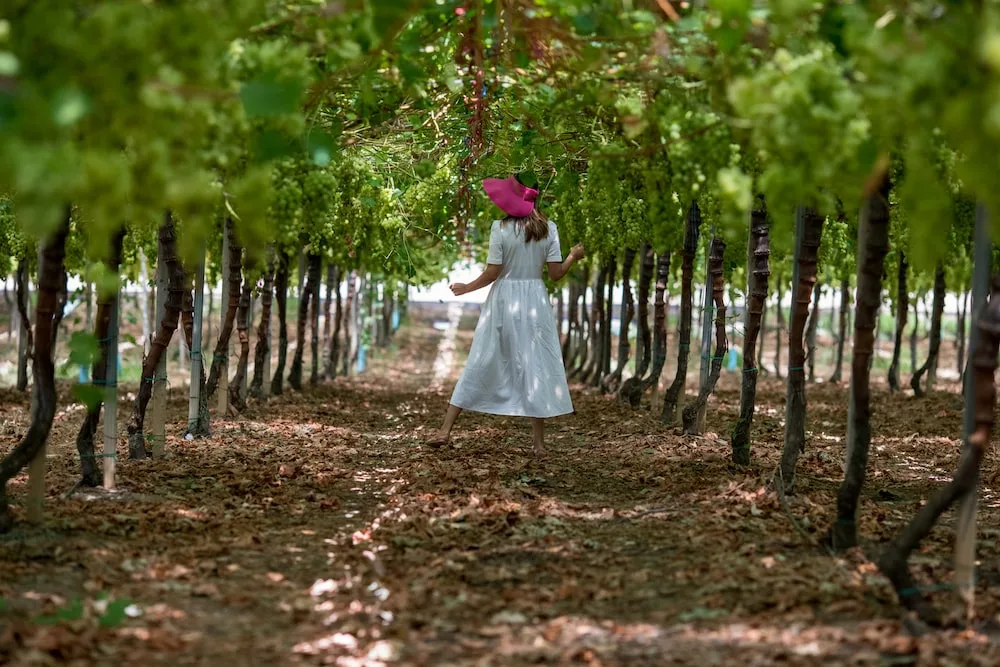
pixel 557 270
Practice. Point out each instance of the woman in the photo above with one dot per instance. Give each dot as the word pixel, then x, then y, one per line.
pixel 515 366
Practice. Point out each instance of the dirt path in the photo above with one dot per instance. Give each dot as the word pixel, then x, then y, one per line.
pixel 319 530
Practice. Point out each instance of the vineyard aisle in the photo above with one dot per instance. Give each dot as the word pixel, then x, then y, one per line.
pixel 318 529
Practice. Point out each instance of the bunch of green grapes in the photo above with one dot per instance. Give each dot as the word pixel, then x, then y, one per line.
pixel 734 188
pixel 430 204
pixel 808 127
pixel 601 205
pixel 634 213
pixel 12 245
pixel 287 198
pixel 564 209
pixel 698 143
pixel 665 215
pixel 318 192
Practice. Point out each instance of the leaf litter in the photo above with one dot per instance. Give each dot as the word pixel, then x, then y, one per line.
pixel 318 529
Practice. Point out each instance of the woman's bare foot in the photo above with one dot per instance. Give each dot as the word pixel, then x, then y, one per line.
pixel 439 439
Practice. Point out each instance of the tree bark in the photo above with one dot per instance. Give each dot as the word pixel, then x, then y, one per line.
pixel 331 282
pixel 673 393
pixel 567 342
pixel 348 316
pixel 608 317
pixel 809 236
pixel 338 316
pixel 902 310
pixel 757 287
pixel 315 280
pixel 631 391
pixel 237 393
pixel 207 317
pixel 705 340
pixel 761 370
pixel 937 310
pixel 715 270
pixel 193 318
pixel 147 324
pixel 90 472
pixel 221 355
pixel 281 295
pixel 894 561
pixel 263 348
pixel 10 308
pixel 51 277
pixel 560 311
pixel 778 331
pixel 965 520
pixel 25 343
pixel 167 252
pixel 845 303
pixel 962 313
pixel 158 401
pixel 309 291
pixel 582 352
pixel 914 335
pixel 660 306
pixel 612 382
pixel 811 330
pixel 388 299
pixel 873 244
pixel 592 350
pixel 597 337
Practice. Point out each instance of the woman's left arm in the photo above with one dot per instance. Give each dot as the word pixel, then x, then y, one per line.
pixel 488 277
pixel 557 270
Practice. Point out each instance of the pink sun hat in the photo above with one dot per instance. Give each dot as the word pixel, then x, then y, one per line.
pixel 514 199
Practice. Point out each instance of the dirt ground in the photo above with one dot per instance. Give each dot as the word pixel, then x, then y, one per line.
pixel 318 529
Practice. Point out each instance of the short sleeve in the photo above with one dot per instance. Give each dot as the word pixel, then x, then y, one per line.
pixel 495 255
pixel 555 252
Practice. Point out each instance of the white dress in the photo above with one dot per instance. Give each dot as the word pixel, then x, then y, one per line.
pixel 515 366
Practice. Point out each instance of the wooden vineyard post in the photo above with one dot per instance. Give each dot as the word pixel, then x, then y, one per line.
pixel 111 391
pixel 158 431
pixel 223 405
pixel 965 529
pixel 197 367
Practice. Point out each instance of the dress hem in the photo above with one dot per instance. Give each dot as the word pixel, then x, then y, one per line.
pixel 511 414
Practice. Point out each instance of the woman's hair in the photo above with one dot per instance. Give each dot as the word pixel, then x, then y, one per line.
pixel 535 226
